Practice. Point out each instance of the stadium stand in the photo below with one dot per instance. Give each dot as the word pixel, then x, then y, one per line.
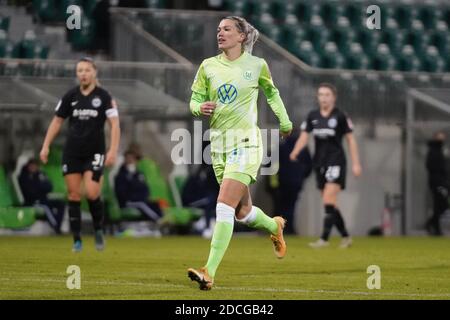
pixel 13 216
pixel 327 35
pixel 425 27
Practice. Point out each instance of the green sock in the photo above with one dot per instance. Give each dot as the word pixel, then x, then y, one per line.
pixel 219 244
pixel 264 222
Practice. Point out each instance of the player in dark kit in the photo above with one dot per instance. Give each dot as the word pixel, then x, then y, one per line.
pixel 328 125
pixel 87 107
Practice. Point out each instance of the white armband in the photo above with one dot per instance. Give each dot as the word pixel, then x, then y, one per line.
pixel 111 113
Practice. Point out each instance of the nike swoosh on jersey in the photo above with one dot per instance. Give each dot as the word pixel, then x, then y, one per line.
pixel 74 103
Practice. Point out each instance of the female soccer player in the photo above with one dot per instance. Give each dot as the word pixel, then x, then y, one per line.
pixel 329 125
pixel 226 90
pixel 87 106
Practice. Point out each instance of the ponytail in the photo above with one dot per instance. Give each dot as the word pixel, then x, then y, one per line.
pixel 250 32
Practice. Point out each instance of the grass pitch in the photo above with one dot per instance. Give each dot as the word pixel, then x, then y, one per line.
pixel 411 268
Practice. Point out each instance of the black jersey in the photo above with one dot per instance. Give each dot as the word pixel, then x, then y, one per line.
pixel 87 116
pixel 328 133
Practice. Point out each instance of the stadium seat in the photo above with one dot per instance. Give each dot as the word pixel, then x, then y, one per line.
pixel 158 186
pixel 306 10
pixel 408 61
pixel 307 54
pixel 417 38
pixel 355 58
pixel 355 13
pixel 440 38
pixel 160 192
pixel 6 46
pixel 432 62
pixel 343 34
pixel 274 32
pixel 89 7
pixel 383 59
pixel 54 173
pixel 318 34
pixel 428 15
pixel 292 36
pixel 261 8
pixel 239 7
pixel 82 38
pixel 176 183
pixel 369 40
pixel 4 23
pixel 404 15
pixel 27 45
pixel 12 216
pixel 445 16
pixel 331 58
pixel 46 10
pixel 156 3
pixel 41 50
pixel 280 10
pixel 331 12
pixel 53 170
pixel 112 210
pixel 393 36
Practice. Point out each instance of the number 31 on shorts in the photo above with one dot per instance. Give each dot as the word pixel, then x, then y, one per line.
pixel 98 160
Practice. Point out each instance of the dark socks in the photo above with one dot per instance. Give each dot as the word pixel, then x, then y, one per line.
pixel 333 217
pixel 96 208
pixel 328 222
pixel 75 219
pixel 340 224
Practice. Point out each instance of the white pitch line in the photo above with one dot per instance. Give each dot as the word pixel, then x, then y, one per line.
pixel 173 286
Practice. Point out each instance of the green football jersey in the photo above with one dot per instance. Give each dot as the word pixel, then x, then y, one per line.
pixel 234 86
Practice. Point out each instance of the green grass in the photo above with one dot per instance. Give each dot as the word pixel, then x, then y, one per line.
pixel 411 268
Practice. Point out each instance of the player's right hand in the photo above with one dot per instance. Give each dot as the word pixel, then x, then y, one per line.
pixel 44 155
pixel 293 156
pixel 207 108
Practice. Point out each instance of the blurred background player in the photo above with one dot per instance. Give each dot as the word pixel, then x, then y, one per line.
pixel 132 190
pixel 201 191
pixel 87 106
pixel 437 181
pixel 291 176
pixel 226 89
pixel 329 125
pixel 35 187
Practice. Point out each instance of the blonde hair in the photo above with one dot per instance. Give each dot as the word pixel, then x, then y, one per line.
pixel 250 32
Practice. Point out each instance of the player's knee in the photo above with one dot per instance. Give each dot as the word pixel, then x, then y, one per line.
pixel 242 212
pixel 74 196
pixel 329 198
pixel 92 195
pixel 227 201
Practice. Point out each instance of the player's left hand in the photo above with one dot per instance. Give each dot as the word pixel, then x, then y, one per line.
pixel 110 159
pixel 356 170
pixel 285 134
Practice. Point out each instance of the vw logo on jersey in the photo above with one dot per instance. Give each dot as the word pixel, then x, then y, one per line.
pixel 96 102
pixel 332 123
pixel 227 93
